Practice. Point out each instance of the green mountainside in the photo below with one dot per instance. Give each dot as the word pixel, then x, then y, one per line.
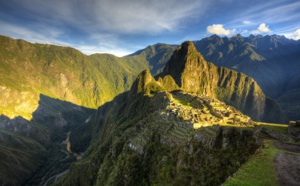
pixel 70 119
pixel 48 92
pixel 168 135
pixel 28 70
pixel 146 139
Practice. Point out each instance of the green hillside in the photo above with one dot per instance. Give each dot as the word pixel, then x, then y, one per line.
pixel 29 70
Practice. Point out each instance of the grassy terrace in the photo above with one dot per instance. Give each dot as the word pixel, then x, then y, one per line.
pixel 259 170
pixel 182 102
pixel 282 128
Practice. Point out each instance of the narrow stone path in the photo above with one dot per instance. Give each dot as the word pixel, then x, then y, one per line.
pixel 288 164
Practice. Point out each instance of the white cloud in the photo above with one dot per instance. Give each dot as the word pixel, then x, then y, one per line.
pixel 36 35
pixel 118 16
pixel 107 43
pixel 262 28
pixel 246 22
pixel 219 30
pixel 296 35
pixel 273 12
pixel 98 25
pixel 145 16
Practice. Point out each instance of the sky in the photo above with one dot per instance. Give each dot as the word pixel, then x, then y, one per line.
pixel 121 27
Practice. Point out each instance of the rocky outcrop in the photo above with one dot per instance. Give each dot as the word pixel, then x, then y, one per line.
pixel 193 74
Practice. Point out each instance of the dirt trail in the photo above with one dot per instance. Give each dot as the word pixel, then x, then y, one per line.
pixel 288 164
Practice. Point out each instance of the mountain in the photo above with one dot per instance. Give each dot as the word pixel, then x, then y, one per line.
pixel 32 152
pixel 48 94
pixel 193 74
pixel 156 55
pixel 148 138
pixel 180 127
pixel 28 70
pixel 272 61
pixel 262 57
pixel 173 129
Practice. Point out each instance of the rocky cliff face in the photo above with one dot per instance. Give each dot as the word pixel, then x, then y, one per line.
pixel 193 74
pixel 273 61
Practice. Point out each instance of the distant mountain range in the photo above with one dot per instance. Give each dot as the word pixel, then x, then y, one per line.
pixel 63 72
pixel 272 61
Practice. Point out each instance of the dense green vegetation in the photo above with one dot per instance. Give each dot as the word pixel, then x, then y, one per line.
pixel 20 156
pixel 60 72
pixel 141 149
pixel 260 170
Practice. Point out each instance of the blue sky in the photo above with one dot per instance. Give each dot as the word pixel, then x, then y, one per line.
pixel 121 27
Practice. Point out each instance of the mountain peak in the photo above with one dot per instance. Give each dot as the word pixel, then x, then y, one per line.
pixel 183 56
pixel 188 45
pixel 238 37
pixel 187 48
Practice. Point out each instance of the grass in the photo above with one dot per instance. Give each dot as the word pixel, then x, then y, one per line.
pixel 182 102
pixel 238 126
pixel 282 128
pixel 259 170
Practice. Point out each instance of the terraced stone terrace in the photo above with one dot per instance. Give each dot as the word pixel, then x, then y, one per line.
pixel 184 113
pixel 201 111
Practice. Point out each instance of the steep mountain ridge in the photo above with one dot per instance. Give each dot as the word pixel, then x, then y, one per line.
pixel 193 74
pixel 272 61
pixel 156 55
pixel 260 57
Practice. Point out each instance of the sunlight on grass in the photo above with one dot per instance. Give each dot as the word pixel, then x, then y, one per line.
pixel 282 128
pixel 182 102
pixel 259 170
